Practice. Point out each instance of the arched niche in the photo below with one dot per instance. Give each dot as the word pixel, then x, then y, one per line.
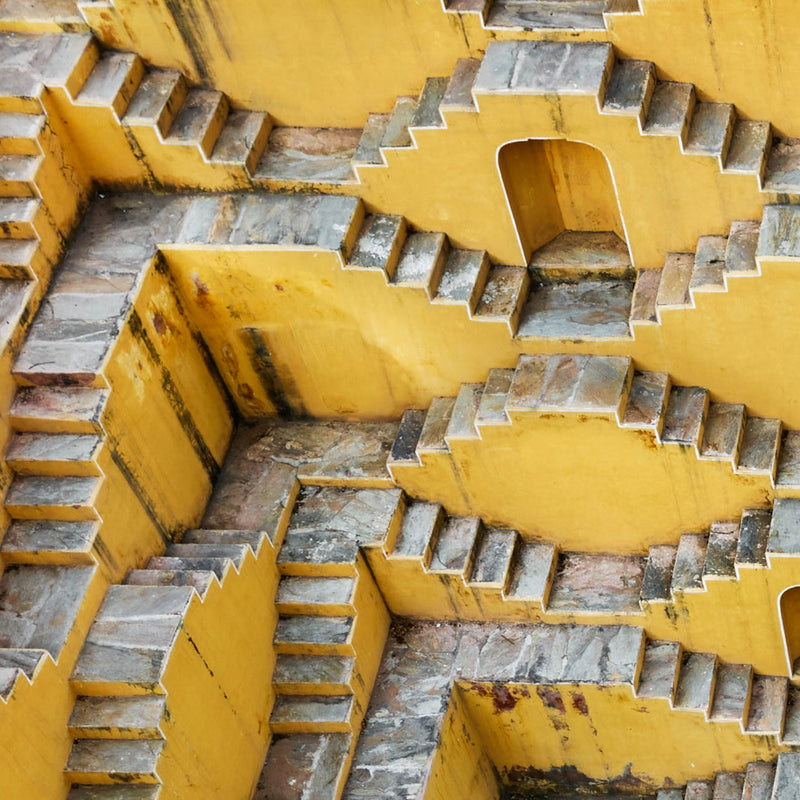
pixel 556 185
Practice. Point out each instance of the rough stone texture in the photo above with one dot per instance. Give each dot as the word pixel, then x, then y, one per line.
pixel 791 722
pixel 404 447
pixel 369 145
pixel 687 574
pixel 581 254
pixel 732 692
pixel 629 86
pixel 587 583
pixel 114 792
pixel 723 430
pixel 676 275
pixel 95 715
pixel 396 133
pixel 695 681
pixel 241 140
pixel 740 252
pixel 108 78
pixel 491 410
pixel 659 669
pixel 595 309
pixel 646 400
pixel 669 108
pixel 758 781
pixel 418 531
pixel 749 146
pixel 53 447
pixel 758 453
pixel 699 790
pixel 377 241
pixel 783 166
pixel 728 786
pixel 754 534
pixel 426 114
pixel 503 293
pixel 710 129
pixel 421 260
pixel 545 14
pixel 455 546
pixel 458 96
pixel 463 277
pixel 685 414
pixel 124 758
pixel 787 776
pixel 312 630
pixel 532 572
pixel 535 67
pixel 312 593
pixel 152 97
pixel 49 536
pixel 645 291
pixel 434 429
pixel 709 264
pixel 493 558
pixel 779 235
pixel 721 551
pixel 767 704
pixel 657 581
pixel 462 420
pixel 788 471
pixel 309 155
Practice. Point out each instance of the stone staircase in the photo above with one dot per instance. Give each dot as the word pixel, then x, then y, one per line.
pixel 759 781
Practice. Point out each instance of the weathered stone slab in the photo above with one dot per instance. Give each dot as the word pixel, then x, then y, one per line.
pixel 695 682
pixel 418 531
pixel 646 400
pixel 732 693
pixel 309 155
pixel 767 704
pixel 659 674
pixel 532 573
pixel 629 87
pixel 671 104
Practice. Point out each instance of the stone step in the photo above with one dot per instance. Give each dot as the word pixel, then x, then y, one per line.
pixel 18 217
pixel 200 579
pixel 630 89
pixel 494 558
pixel 732 693
pixel 741 248
pixel 432 437
pixel 418 533
pixel 645 295
pixel 787 776
pixel 687 574
pixel 504 295
pixel 47 497
pixel 575 255
pixel 458 95
pixel 670 110
pixel 63 454
pixel 18 175
pixel 313 674
pixel 309 765
pixel 369 145
pixel 750 144
pixel 534 15
pixel 685 416
pixel 421 262
pixel 720 561
pixel 16 256
pixel 404 448
pixel 492 406
pixel 379 243
pixel 117 717
pixel 242 140
pixel 696 678
pixel 114 761
pixel 660 666
pixel 723 432
pixel 728 786
pixel 114 792
pixel 252 539
pixel 304 634
pixel 647 401
pixel 199 120
pixel 592 583
pixel 311 714
pixel 454 551
pixel 331 597
pixel 426 114
pixel 768 701
pixel 532 573
pixel 676 276
pixel 16 663
pixel 172 565
pixel 657 581
pixel 787 472
pixel 56 409
pixel 782 162
pixel 761 440
pixel 156 100
pixel 19 133
pixel 710 130
pixel 462 420
pixel 791 722
pixel 784 531
pixel 751 547
pixel 235 553
pixel 397 134
pixel 49 542
pixel 708 273
pixel 112 82
pixel 463 278
pixel 699 790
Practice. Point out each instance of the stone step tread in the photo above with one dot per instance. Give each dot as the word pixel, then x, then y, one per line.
pixel 493 559
pixel 695 681
pixel 782 164
pixel 740 251
pixel 492 406
pixel 17 252
pixel 17 216
pixel 199 119
pixel 777 233
pixel 672 103
pixel 454 551
pixel 758 781
pixel 52 492
pixel 750 143
pixel 597 583
pixel 426 114
pixel 723 431
pixel 751 548
pixel 791 724
pixel 532 573
pixel 708 273
pixel 114 75
pixel 784 528
pixel 314 592
pixel 458 95
pixel 113 792
pixel 630 87
pixel 251 539
pixel 292 670
pixel 306 629
pixel 657 581
pixel 242 139
pixel 421 260
pixel 115 757
pixel 506 288
pixel 676 276
pixel 787 776
pixel 418 532
pixel 24 660
pixel 758 454
pixel 20 126
pixel 73 408
pixel 171 564
pixel 397 134
pixel 379 243
pixel 723 540
pixel 107 636
pixel 546 15
pixel 404 448
pixel 767 704
pixel 581 254
pixel 462 420
pixel 132 602
pixel 369 145
pixel 728 786
pixel 122 717
pixel 316 710
pixel 39 541
pixel 463 277
pixel 432 437
pixel 732 693
pixel 102 664
pixel 699 790
pixel 670 794
pixel 787 474
pixel 19 169
pixel 687 574
pixel 659 674
pixel 647 401
pixel 199 579
pixel 685 415
pixel 710 129
pixel 232 551
pixel 156 99
pixel 53 447
pixel 645 296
